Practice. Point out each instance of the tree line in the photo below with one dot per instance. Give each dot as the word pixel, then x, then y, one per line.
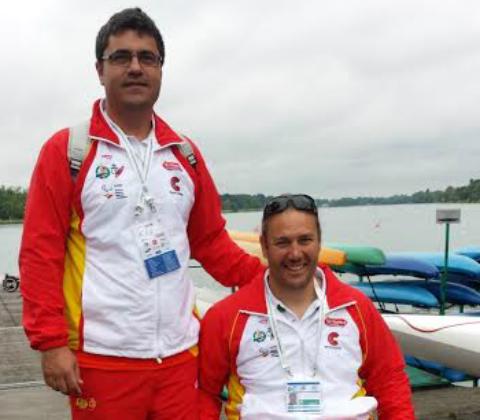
pixel 12 203
pixel 12 199
pixel 465 194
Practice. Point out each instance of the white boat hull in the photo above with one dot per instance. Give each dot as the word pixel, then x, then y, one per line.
pixel 453 341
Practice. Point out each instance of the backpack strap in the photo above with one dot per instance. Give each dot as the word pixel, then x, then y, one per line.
pixel 78 145
pixel 187 152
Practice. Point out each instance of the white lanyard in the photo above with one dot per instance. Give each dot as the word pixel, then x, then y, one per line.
pixel 141 169
pixel 273 322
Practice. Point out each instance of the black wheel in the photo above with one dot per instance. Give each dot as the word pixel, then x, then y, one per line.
pixel 10 283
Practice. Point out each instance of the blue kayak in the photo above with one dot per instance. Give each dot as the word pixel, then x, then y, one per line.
pixel 438 369
pixel 458 294
pixel 396 265
pixel 457 264
pixel 461 279
pixel 472 252
pixel 393 293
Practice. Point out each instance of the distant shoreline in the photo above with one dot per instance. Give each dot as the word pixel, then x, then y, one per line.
pixel 320 206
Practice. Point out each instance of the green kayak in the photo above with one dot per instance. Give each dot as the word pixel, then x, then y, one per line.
pixel 359 254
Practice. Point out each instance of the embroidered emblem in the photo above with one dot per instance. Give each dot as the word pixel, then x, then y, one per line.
pixel 174 181
pixel 332 339
pixel 102 172
pixel 270 351
pixel 264 352
pixel 171 166
pixel 335 322
pixel 259 336
pixel 85 403
pixel 270 333
pixel 174 184
pixel 108 191
pixel 116 170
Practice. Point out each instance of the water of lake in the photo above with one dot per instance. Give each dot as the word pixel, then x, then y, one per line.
pixel 391 228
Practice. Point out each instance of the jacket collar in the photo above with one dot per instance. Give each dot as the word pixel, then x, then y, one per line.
pixel 252 296
pixel 100 129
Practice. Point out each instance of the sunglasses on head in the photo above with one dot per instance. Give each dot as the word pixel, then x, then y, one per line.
pixel 279 204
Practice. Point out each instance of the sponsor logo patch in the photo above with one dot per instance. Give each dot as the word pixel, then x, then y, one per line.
pixel 332 339
pixel 174 181
pixel 171 166
pixel 335 322
pixel 175 185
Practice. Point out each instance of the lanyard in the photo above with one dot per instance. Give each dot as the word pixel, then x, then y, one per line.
pixel 273 322
pixel 140 168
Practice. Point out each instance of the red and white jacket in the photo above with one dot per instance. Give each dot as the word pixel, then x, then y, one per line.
pixel 83 278
pixel 357 355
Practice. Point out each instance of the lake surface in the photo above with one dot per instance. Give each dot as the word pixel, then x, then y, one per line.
pixel 391 228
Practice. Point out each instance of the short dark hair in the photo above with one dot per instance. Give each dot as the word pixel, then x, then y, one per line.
pixel 132 18
pixel 281 203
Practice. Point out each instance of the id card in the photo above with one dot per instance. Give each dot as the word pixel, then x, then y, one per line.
pixel 304 396
pixel 158 255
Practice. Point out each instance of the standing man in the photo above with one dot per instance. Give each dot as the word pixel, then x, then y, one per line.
pixel 105 250
pixel 296 341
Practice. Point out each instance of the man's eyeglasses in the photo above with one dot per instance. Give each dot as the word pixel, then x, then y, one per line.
pixel 124 58
pixel 279 204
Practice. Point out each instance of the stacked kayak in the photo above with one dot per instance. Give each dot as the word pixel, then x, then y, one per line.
pixel 472 252
pixel 458 265
pixel 402 293
pixel 394 264
pixel 463 274
pixel 358 255
pixel 424 293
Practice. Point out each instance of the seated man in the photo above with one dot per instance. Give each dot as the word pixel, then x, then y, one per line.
pixel 298 343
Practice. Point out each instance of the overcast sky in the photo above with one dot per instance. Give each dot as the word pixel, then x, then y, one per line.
pixel 332 98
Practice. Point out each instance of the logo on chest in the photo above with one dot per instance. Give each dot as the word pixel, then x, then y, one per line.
pixel 104 171
pixel 259 336
pixel 171 166
pixel 333 341
pixel 175 186
pixel 335 322
pixel 268 351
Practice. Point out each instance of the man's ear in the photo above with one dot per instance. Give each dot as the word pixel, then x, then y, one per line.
pixel 99 67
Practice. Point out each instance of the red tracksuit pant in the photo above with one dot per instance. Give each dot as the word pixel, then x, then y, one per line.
pixel 157 394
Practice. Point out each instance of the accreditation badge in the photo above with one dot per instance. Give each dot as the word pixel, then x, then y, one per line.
pixel 304 396
pixel 158 255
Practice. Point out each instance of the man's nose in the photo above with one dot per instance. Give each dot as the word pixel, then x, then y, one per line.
pixel 295 251
pixel 135 66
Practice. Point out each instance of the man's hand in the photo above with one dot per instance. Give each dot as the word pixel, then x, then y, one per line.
pixel 61 372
